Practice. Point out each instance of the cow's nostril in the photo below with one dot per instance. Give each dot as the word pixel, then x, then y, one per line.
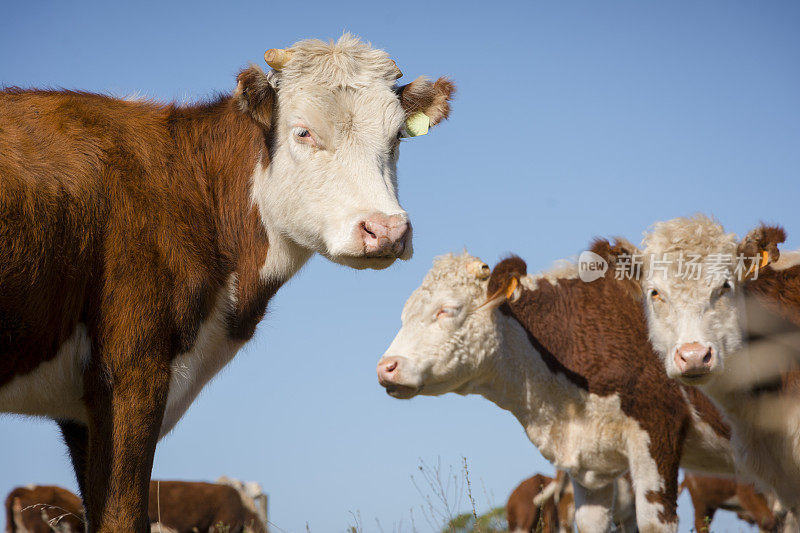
pixel 391 366
pixel 707 357
pixel 367 230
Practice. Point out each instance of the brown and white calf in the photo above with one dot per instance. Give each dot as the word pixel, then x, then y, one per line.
pixel 733 330
pixel 182 506
pixel 544 504
pixel 141 242
pixel 571 361
pixel 711 493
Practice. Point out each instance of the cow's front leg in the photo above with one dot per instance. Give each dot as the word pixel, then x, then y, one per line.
pixel 655 487
pixel 624 508
pixel 593 508
pixel 126 407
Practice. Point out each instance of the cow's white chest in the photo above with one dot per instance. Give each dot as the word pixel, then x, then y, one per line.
pixel 212 350
pixel 54 389
pixel 586 437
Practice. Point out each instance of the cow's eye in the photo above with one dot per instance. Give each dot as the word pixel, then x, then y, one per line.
pixel 446 311
pixel 655 295
pixel 304 135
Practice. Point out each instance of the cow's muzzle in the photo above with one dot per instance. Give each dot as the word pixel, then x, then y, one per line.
pixel 389 377
pixel 695 361
pixel 385 236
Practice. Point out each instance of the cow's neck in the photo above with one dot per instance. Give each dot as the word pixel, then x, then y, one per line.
pixel 518 380
pixel 285 256
pixel 228 151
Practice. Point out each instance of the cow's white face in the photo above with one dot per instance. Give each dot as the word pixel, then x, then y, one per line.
pixel 692 311
pixel 331 185
pixel 693 324
pixel 333 175
pixel 446 336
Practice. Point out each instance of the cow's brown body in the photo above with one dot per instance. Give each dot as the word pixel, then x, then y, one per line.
pixel 137 211
pixel 182 506
pixel 711 493
pixel 43 509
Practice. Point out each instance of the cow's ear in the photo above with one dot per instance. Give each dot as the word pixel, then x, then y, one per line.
pixel 430 98
pixel 623 258
pixel 504 283
pixel 617 253
pixel 761 244
pixel 255 94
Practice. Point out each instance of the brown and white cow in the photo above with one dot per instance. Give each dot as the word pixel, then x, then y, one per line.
pixel 141 242
pixel 547 505
pixel 182 506
pixel 572 362
pixel 733 330
pixel 711 493
pixel 43 509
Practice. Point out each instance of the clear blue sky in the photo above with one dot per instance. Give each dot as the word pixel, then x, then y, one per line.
pixel 573 119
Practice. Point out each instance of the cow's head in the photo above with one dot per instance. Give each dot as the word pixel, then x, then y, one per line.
pixel 449 332
pixel 335 117
pixel 691 276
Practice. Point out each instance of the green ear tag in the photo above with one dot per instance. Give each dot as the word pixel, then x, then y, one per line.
pixel 417 124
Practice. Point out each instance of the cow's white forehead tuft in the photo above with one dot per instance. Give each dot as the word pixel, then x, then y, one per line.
pixel 450 274
pixel 699 235
pixel 348 62
pixel 453 271
pixel 671 247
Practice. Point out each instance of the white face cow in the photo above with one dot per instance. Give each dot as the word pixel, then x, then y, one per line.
pixel 448 333
pixel 691 278
pixel 331 185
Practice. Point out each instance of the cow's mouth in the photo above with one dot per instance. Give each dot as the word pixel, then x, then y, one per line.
pixel 401 392
pixel 695 378
pixel 361 262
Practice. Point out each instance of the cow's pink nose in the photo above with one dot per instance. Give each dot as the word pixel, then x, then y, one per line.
pixel 384 236
pixel 386 369
pixel 694 359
